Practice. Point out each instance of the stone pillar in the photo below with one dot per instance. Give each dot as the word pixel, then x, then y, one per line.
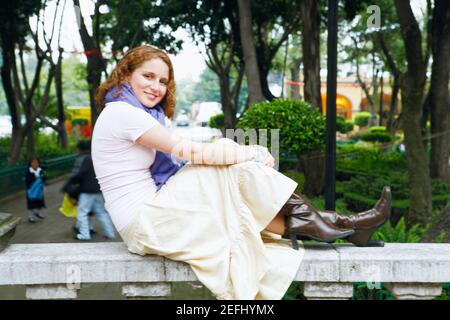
pixel 328 290
pixel 50 291
pixel 414 290
pixel 156 290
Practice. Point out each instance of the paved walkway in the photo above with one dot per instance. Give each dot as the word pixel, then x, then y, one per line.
pixel 54 228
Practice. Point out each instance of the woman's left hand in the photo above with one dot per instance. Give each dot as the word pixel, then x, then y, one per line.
pixel 269 161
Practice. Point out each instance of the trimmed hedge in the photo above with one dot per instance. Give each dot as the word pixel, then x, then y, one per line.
pixel 376 136
pixel 362 118
pixel 217 121
pixel 342 125
pixel 302 128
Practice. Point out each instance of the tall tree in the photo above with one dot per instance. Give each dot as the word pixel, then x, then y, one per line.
pixel 22 94
pixel 311 52
pixel 92 48
pixel 215 24
pixel 273 22
pixel 14 17
pixel 125 26
pixel 439 98
pixel 255 94
pixel 412 84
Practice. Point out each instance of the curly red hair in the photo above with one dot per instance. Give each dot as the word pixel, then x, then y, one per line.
pixel 130 62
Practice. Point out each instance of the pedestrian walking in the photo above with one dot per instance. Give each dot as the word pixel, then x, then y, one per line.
pixel 83 183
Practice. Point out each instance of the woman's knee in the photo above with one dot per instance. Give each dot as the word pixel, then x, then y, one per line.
pixel 225 141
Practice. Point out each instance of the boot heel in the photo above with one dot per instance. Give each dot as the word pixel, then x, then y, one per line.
pixel 362 238
pixel 293 238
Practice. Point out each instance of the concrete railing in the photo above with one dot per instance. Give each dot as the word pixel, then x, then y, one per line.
pixel 58 270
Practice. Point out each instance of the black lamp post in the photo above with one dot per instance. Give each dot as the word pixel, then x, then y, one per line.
pixel 330 159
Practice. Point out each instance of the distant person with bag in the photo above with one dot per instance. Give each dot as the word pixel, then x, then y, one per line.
pixel 34 181
pixel 90 198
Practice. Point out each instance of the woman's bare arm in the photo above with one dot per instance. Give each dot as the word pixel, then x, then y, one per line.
pixel 160 138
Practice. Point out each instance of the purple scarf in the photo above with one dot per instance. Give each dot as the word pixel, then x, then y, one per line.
pixel 164 166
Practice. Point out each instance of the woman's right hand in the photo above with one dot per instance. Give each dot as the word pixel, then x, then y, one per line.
pixel 263 156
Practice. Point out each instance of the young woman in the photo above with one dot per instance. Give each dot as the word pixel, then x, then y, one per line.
pixel 34 181
pixel 224 212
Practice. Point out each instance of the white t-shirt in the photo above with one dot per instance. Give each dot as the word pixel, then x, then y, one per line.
pixel 121 164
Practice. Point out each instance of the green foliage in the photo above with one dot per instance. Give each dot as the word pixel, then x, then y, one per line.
pixel 369 160
pixel 302 129
pixel 125 25
pixel 298 177
pixel 361 291
pixel 399 233
pixel 376 136
pixel 75 86
pixel 217 121
pixel 48 148
pixel 343 126
pixel 294 292
pixel 445 295
pixel 362 118
pixel 377 129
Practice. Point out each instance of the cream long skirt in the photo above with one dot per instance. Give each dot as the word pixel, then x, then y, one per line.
pixel 213 218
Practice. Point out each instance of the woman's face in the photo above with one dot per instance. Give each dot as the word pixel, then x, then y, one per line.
pixel 149 82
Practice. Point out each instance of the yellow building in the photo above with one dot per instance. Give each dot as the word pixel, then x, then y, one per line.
pixel 350 98
pixel 78 121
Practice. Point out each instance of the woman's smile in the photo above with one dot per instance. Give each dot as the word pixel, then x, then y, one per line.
pixel 149 82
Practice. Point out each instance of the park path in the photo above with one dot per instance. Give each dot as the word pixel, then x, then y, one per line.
pixel 54 228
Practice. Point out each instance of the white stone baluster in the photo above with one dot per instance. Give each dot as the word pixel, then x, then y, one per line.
pixel 50 291
pixel 156 290
pixel 414 290
pixel 327 290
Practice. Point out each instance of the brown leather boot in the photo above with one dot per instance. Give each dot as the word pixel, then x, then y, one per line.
pixel 303 222
pixel 364 223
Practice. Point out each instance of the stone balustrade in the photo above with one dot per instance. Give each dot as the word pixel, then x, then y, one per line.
pixel 327 271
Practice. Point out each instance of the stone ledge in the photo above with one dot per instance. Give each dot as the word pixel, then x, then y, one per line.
pixel 71 263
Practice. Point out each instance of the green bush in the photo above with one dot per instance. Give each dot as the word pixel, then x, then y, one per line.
pixel 217 121
pixel 376 136
pixel 343 126
pixel 378 129
pixel 360 193
pixel 302 128
pixel 46 147
pixel 368 159
pixel 362 118
pixel 297 177
pixel 399 233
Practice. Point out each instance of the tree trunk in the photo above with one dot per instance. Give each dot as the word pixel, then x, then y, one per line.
pixel 95 65
pixel 295 76
pixel 250 58
pixel 221 63
pixel 62 134
pixel 313 165
pixel 228 107
pixel 412 84
pixel 393 105
pixel 439 93
pixel 31 150
pixel 311 52
pixel 11 99
pixel 16 144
